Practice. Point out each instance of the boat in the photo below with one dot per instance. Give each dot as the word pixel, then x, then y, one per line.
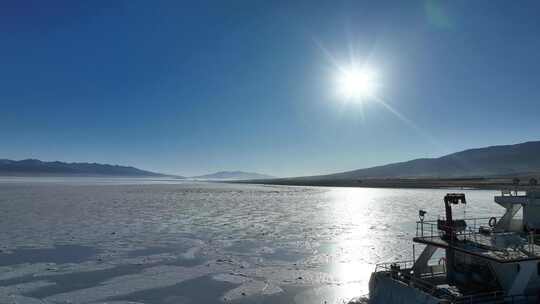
pixel 468 260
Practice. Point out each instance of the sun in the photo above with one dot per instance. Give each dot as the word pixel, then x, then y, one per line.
pixel 357 83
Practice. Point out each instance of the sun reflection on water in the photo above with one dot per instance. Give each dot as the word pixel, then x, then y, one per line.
pixel 355 212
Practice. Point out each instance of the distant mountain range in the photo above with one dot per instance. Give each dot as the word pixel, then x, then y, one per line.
pixel 505 160
pixel 482 162
pixel 233 175
pixel 34 167
pixel 496 161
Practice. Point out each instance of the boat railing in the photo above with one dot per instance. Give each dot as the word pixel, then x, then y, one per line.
pixel 513 192
pixel 483 297
pixel 494 297
pixel 435 228
pixel 434 270
pixel 408 264
pixel 478 232
pixel 402 271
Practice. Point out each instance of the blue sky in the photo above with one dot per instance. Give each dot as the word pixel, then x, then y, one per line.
pixel 194 87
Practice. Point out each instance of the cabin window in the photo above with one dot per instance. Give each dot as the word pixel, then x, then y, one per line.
pixel 518 267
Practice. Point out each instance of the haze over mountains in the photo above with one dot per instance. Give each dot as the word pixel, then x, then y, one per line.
pixel 33 167
pixel 233 175
pixel 504 160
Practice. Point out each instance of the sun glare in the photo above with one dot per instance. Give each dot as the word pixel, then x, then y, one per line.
pixel 357 84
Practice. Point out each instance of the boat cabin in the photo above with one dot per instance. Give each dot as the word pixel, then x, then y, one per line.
pixel 480 260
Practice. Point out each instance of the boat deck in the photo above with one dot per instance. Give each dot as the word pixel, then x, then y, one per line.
pixel 512 247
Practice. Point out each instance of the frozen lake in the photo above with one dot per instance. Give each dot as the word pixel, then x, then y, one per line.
pixel 104 240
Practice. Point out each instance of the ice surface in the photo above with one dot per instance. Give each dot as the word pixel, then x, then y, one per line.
pixel 98 242
pixel 150 278
pixel 11 293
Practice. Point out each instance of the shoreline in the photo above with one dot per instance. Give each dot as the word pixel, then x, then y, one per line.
pixel 453 183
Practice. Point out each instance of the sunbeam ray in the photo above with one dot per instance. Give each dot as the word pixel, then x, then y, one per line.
pixel 410 123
